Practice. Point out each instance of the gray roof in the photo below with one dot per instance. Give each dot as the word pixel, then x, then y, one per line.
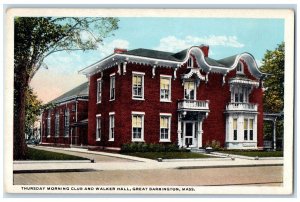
pixel 152 54
pixel 179 56
pixel 79 91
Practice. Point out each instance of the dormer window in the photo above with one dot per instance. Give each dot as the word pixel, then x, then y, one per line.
pixel 240 68
pixel 190 62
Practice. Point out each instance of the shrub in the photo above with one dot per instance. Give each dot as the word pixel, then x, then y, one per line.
pixel 144 147
pixel 213 144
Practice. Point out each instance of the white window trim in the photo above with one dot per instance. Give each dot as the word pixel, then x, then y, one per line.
pixel 57 124
pixel 192 62
pixel 143 86
pixel 169 115
pixel 66 135
pixel 99 80
pixel 49 124
pixel 110 85
pixel 143 125
pixel 170 88
pixel 110 139
pixel 242 68
pixel 99 136
pixel 195 89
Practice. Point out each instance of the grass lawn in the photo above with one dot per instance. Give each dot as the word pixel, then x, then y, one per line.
pixel 168 155
pixel 36 154
pixel 255 153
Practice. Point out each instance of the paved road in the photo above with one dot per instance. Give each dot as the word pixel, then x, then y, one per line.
pixel 260 175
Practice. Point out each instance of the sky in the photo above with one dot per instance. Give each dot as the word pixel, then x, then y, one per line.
pixel 225 37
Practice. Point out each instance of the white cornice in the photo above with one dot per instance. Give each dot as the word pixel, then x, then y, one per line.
pixel 117 58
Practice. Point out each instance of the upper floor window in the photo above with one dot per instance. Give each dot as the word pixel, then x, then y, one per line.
pixel 111 126
pixel 49 124
pixel 67 122
pixel 240 68
pixel 240 94
pixel 57 124
pixel 190 62
pixel 165 127
pixel 98 127
pixel 99 90
pixel 138 85
pixel 165 88
pixel 138 126
pixel 189 90
pixel 112 86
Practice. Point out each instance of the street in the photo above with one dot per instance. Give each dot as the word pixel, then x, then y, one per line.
pixel 258 175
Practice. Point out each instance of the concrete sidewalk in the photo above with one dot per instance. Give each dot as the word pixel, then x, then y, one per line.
pixel 136 163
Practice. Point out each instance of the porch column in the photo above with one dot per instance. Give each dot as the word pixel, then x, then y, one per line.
pixel 179 131
pixel 274 134
pixel 199 133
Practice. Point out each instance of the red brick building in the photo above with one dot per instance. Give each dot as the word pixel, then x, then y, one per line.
pixel 186 98
pixel 65 122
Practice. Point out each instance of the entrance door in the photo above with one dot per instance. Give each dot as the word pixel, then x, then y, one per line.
pixel 189 134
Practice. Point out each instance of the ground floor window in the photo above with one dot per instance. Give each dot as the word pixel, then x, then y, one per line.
pixel 98 127
pixel 165 127
pixel 241 131
pixel 137 127
pixel 234 129
pixel 111 126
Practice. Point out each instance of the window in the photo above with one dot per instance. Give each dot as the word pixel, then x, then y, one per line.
pixel 137 85
pixel 251 129
pixel 234 129
pixel 99 90
pixel 111 126
pixel 189 90
pixel 56 124
pixel 112 86
pixel 240 68
pixel 98 127
pixel 165 127
pixel 137 127
pixel 165 88
pixel 67 122
pixel 190 62
pixel 245 129
pixel 240 95
pixel 49 124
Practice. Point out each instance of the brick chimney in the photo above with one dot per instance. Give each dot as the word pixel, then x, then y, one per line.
pixel 205 49
pixel 120 50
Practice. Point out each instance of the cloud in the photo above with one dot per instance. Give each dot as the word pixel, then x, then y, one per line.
pixel 108 48
pixel 172 44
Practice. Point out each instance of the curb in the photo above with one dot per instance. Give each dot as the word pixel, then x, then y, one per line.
pixel 53 161
pixel 224 155
pixel 52 171
pixel 196 159
pixel 228 166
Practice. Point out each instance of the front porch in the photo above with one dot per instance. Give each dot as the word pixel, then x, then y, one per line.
pixel 191 114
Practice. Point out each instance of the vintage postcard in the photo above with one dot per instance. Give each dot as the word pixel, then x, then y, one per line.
pixel 149 101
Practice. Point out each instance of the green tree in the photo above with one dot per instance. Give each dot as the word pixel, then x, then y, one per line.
pixel 32 110
pixel 273 64
pixel 38 37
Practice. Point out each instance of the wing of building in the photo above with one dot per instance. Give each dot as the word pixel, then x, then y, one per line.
pixel 65 122
pixel 184 98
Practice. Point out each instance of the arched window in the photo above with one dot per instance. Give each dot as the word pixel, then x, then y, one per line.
pixel 190 62
pixel 240 68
